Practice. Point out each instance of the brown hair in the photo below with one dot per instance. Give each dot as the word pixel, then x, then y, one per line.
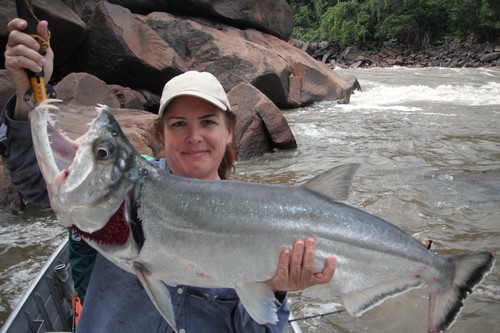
pixel 230 157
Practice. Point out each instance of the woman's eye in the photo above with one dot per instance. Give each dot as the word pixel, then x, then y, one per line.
pixel 177 124
pixel 208 122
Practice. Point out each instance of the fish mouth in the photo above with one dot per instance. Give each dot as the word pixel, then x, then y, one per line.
pixel 96 175
pixel 58 152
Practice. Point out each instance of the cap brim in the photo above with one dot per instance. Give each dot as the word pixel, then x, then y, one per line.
pixel 194 93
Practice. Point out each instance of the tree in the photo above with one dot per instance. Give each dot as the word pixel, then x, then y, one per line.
pixel 344 24
pixel 413 22
pixel 489 19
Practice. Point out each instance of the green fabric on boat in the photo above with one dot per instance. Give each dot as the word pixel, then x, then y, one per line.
pixel 149 158
pixel 82 259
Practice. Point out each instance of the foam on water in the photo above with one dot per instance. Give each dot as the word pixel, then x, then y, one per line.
pixel 383 95
pixel 425 85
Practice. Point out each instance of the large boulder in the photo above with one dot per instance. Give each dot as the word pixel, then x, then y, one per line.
pixel 261 126
pixel 145 56
pixel 88 90
pixel 285 74
pixel 68 31
pixel 83 9
pixel 83 89
pixel 270 16
pixel 123 50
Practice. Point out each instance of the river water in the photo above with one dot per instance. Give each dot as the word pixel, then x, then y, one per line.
pixel 428 142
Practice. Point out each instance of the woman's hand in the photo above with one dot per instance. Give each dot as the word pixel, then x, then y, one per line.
pixel 296 268
pixel 21 53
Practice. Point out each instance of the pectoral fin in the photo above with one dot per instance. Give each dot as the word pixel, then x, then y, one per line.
pixel 259 301
pixel 158 293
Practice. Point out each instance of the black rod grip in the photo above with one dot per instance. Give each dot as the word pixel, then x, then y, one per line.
pixel 25 11
pixel 37 80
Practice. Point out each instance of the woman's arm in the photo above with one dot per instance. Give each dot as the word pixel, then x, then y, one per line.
pixel 22 53
pixel 20 160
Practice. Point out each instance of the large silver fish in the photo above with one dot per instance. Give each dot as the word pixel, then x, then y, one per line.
pixel 229 233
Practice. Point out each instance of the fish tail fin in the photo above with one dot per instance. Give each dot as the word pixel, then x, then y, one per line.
pixel 445 305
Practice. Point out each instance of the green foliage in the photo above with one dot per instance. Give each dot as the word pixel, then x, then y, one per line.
pixel 460 19
pixel 414 22
pixel 489 18
pixel 304 20
pixel 343 24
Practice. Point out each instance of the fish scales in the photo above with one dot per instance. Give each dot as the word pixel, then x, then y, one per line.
pixel 228 222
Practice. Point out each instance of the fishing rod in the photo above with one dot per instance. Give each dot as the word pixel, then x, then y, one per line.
pixel 38 91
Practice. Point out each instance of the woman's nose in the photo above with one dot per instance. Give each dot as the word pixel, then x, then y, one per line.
pixel 194 134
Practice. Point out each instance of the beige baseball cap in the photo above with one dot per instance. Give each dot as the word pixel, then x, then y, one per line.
pixel 199 84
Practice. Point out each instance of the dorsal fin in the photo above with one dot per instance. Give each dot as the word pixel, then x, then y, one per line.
pixel 334 183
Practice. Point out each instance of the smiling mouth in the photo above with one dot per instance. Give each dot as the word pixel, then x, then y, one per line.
pixel 195 153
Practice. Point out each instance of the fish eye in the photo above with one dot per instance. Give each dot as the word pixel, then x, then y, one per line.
pixel 103 149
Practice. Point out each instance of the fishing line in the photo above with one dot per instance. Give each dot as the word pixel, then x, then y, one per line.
pixel 317 316
pixel 26 9
pixel 6 250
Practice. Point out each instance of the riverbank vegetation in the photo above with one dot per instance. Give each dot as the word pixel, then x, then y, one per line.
pixel 415 23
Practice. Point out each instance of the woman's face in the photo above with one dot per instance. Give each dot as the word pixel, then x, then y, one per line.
pixel 195 137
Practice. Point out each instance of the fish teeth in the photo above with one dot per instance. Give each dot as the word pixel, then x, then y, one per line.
pixel 101 107
pixel 52 111
pixel 48 103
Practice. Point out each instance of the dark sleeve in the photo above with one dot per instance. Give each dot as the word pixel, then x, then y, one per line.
pixel 19 157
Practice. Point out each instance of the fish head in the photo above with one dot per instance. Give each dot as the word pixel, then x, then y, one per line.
pixel 93 187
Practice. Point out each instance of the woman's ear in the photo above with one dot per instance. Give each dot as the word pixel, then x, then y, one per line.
pixel 230 132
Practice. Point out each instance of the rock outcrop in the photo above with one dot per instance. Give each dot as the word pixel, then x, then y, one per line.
pixel 121 53
pixel 259 121
pixel 135 53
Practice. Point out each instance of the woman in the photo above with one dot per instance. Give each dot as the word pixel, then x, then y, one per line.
pixel 197 126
